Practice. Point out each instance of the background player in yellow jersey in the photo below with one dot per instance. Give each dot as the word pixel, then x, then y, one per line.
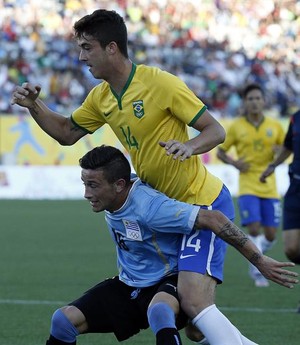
pixel 149 110
pixel 256 139
pixel 291 201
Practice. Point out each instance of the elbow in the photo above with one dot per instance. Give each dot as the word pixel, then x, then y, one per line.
pixel 65 141
pixel 210 219
pixel 219 154
pixel 221 135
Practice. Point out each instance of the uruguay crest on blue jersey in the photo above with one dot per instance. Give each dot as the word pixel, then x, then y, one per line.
pixel 133 230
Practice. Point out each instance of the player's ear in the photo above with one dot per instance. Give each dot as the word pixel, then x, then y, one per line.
pixel 111 48
pixel 120 185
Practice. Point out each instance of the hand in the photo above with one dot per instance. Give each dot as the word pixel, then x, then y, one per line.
pixel 177 149
pixel 273 270
pixel 25 95
pixel 241 165
pixel 270 169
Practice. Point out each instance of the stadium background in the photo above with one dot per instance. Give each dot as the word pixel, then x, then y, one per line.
pixel 215 46
pixel 49 249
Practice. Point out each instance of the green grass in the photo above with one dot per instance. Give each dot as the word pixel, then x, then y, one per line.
pixel 52 251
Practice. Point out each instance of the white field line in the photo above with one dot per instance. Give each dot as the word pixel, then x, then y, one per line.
pixel 233 309
pixel 31 302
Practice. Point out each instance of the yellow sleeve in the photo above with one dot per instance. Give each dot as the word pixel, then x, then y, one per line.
pixel 176 97
pixel 89 115
pixel 230 138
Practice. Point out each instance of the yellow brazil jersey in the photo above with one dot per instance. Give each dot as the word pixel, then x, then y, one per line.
pixel 153 106
pixel 256 146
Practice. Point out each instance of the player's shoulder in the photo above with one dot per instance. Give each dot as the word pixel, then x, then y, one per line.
pixel 154 74
pixel 272 121
pixel 99 89
pixel 238 122
pixel 148 70
pixel 271 118
pixel 144 194
pixel 144 188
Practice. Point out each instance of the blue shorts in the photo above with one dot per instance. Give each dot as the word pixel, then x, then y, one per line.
pixel 255 209
pixel 202 251
pixel 291 206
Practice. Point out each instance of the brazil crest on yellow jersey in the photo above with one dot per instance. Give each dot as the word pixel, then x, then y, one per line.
pixel 153 106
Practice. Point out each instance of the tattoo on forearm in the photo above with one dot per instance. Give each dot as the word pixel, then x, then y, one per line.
pixel 233 235
pixel 255 258
pixel 237 238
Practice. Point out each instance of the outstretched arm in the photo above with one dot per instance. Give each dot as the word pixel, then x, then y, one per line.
pixel 56 125
pixel 230 233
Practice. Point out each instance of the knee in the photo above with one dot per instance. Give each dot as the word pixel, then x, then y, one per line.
pixel 61 326
pixel 59 319
pixel 271 237
pixel 196 292
pixel 160 315
pixel 270 233
pixel 63 313
pixel 293 254
pixel 254 229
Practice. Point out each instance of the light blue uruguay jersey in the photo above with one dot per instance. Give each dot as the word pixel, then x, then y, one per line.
pixel 147 231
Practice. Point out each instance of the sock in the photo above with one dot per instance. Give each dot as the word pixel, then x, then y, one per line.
pixel 62 328
pixel 214 314
pixel 161 319
pixel 161 315
pixel 256 240
pixel 168 336
pixel 226 333
pixel 266 244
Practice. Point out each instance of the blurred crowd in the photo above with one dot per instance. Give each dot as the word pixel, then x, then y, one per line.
pixel 215 46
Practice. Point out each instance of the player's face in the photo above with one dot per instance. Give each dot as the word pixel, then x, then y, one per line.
pixel 254 102
pixel 94 56
pixel 101 194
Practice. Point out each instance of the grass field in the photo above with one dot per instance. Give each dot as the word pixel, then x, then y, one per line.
pixel 52 251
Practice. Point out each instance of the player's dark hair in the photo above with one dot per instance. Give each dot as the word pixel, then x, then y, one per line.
pixel 110 160
pixel 104 26
pixel 251 87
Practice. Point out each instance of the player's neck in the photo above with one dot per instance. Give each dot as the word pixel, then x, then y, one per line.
pixel 120 75
pixel 122 198
pixel 255 119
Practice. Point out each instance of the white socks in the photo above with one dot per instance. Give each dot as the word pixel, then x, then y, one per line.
pixel 218 329
pixel 262 243
pixel 266 244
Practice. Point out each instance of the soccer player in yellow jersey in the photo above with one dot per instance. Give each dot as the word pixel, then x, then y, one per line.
pixel 255 138
pixel 149 111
